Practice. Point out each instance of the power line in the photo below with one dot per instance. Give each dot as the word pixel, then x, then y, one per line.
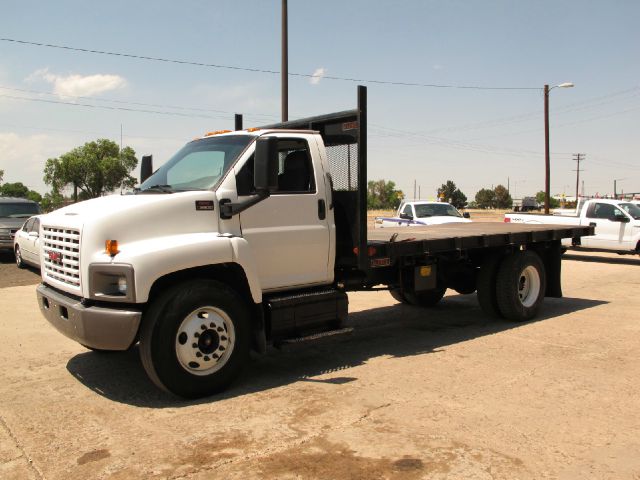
pixel 124 102
pixel 106 107
pixel 259 70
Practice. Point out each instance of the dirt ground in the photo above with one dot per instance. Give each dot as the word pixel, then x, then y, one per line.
pixel 11 276
pixel 410 394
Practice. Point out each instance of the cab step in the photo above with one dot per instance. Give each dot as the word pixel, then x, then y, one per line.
pixel 313 337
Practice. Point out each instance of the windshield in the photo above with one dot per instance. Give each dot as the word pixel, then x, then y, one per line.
pixel 199 165
pixel 436 210
pixel 631 209
pixel 18 210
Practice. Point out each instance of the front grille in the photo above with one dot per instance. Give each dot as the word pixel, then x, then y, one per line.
pixel 61 255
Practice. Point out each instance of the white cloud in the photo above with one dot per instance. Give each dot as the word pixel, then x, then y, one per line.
pixel 317 75
pixel 437 66
pixel 78 85
pixel 24 156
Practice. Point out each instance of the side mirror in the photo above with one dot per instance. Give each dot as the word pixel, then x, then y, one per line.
pixel 621 219
pixel 466 215
pixel 34 234
pixel 265 164
pixel 406 216
pixel 146 167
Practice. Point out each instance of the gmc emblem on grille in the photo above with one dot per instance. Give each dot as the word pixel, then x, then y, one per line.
pixel 55 256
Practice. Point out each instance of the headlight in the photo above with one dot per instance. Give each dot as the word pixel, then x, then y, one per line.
pixel 111 282
pixel 122 285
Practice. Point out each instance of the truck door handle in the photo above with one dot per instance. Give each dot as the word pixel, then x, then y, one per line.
pixel 593 224
pixel 322 209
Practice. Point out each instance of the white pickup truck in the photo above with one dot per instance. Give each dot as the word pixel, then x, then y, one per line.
pixel 616 222
pixel 421 213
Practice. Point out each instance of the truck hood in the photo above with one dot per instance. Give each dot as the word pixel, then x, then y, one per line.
pixel 440 220
pixel 9 222
pixel 129 218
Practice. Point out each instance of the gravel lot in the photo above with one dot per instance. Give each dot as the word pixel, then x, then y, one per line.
pixel 440 393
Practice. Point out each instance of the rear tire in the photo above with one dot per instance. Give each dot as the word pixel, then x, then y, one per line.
pixel 428 298
pixel 397 294
pixel 195 338
pixel 521 285
pixel 19 260
pixel 486 282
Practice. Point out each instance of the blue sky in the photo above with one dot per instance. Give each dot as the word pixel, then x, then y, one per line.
pixel 477 138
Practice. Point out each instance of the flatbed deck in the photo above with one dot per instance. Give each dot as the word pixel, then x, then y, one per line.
pixel 464 236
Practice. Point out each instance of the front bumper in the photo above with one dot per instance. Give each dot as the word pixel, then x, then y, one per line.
pixel 96 327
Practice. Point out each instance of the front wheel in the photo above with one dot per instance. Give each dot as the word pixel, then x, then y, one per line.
pixel 521 285
pixel 19 260
pixel 195 338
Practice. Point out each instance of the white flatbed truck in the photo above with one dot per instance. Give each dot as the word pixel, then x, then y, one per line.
pixel 254 237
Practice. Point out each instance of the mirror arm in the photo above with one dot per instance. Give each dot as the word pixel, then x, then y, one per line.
pixel 229 209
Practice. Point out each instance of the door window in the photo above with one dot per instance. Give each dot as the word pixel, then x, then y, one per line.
pixel 295 170
pixel 604 211
pixel 27 225
pixel 36 225
pixel 407 210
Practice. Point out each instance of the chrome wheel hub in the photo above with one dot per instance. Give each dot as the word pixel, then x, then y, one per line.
pixel 205 340
pixel 529 286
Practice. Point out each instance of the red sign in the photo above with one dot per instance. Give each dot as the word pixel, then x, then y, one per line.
pixel 55 256
pixel 349 126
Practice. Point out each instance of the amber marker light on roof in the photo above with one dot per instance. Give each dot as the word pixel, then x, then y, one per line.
pixel 253 129
pixel 111 247
pixel 217 132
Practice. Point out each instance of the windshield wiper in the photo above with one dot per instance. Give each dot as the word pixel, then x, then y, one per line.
pixel 158 188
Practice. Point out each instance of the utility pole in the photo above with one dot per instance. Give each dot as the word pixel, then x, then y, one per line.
pixel 578 157
pixel 285 64
pixel 508 189
pixel 414 189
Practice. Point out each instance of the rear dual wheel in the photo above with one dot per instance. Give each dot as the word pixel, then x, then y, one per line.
pixel 512 287
pixel 428 298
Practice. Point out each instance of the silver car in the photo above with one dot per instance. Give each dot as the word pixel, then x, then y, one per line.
pixel 26 243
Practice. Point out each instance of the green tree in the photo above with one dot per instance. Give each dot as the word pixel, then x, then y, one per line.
pixel 383 195
pixel 52 201
pixel 96 168
pixel 486 198
pixel 452 194
pixel 553 203
pixel 502 197
pixel 17 189
pixel 1 175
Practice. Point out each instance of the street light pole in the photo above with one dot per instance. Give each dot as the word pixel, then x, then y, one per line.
pixel 547 162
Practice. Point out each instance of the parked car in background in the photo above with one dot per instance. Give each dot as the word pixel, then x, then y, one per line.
pixel 527 204
pixel 616 222
pixel 13 212
pixel 26 243
pixel 419 213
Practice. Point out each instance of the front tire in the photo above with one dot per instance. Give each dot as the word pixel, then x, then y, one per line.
pixel 19 260
pixel 195 338
pixel 521 285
